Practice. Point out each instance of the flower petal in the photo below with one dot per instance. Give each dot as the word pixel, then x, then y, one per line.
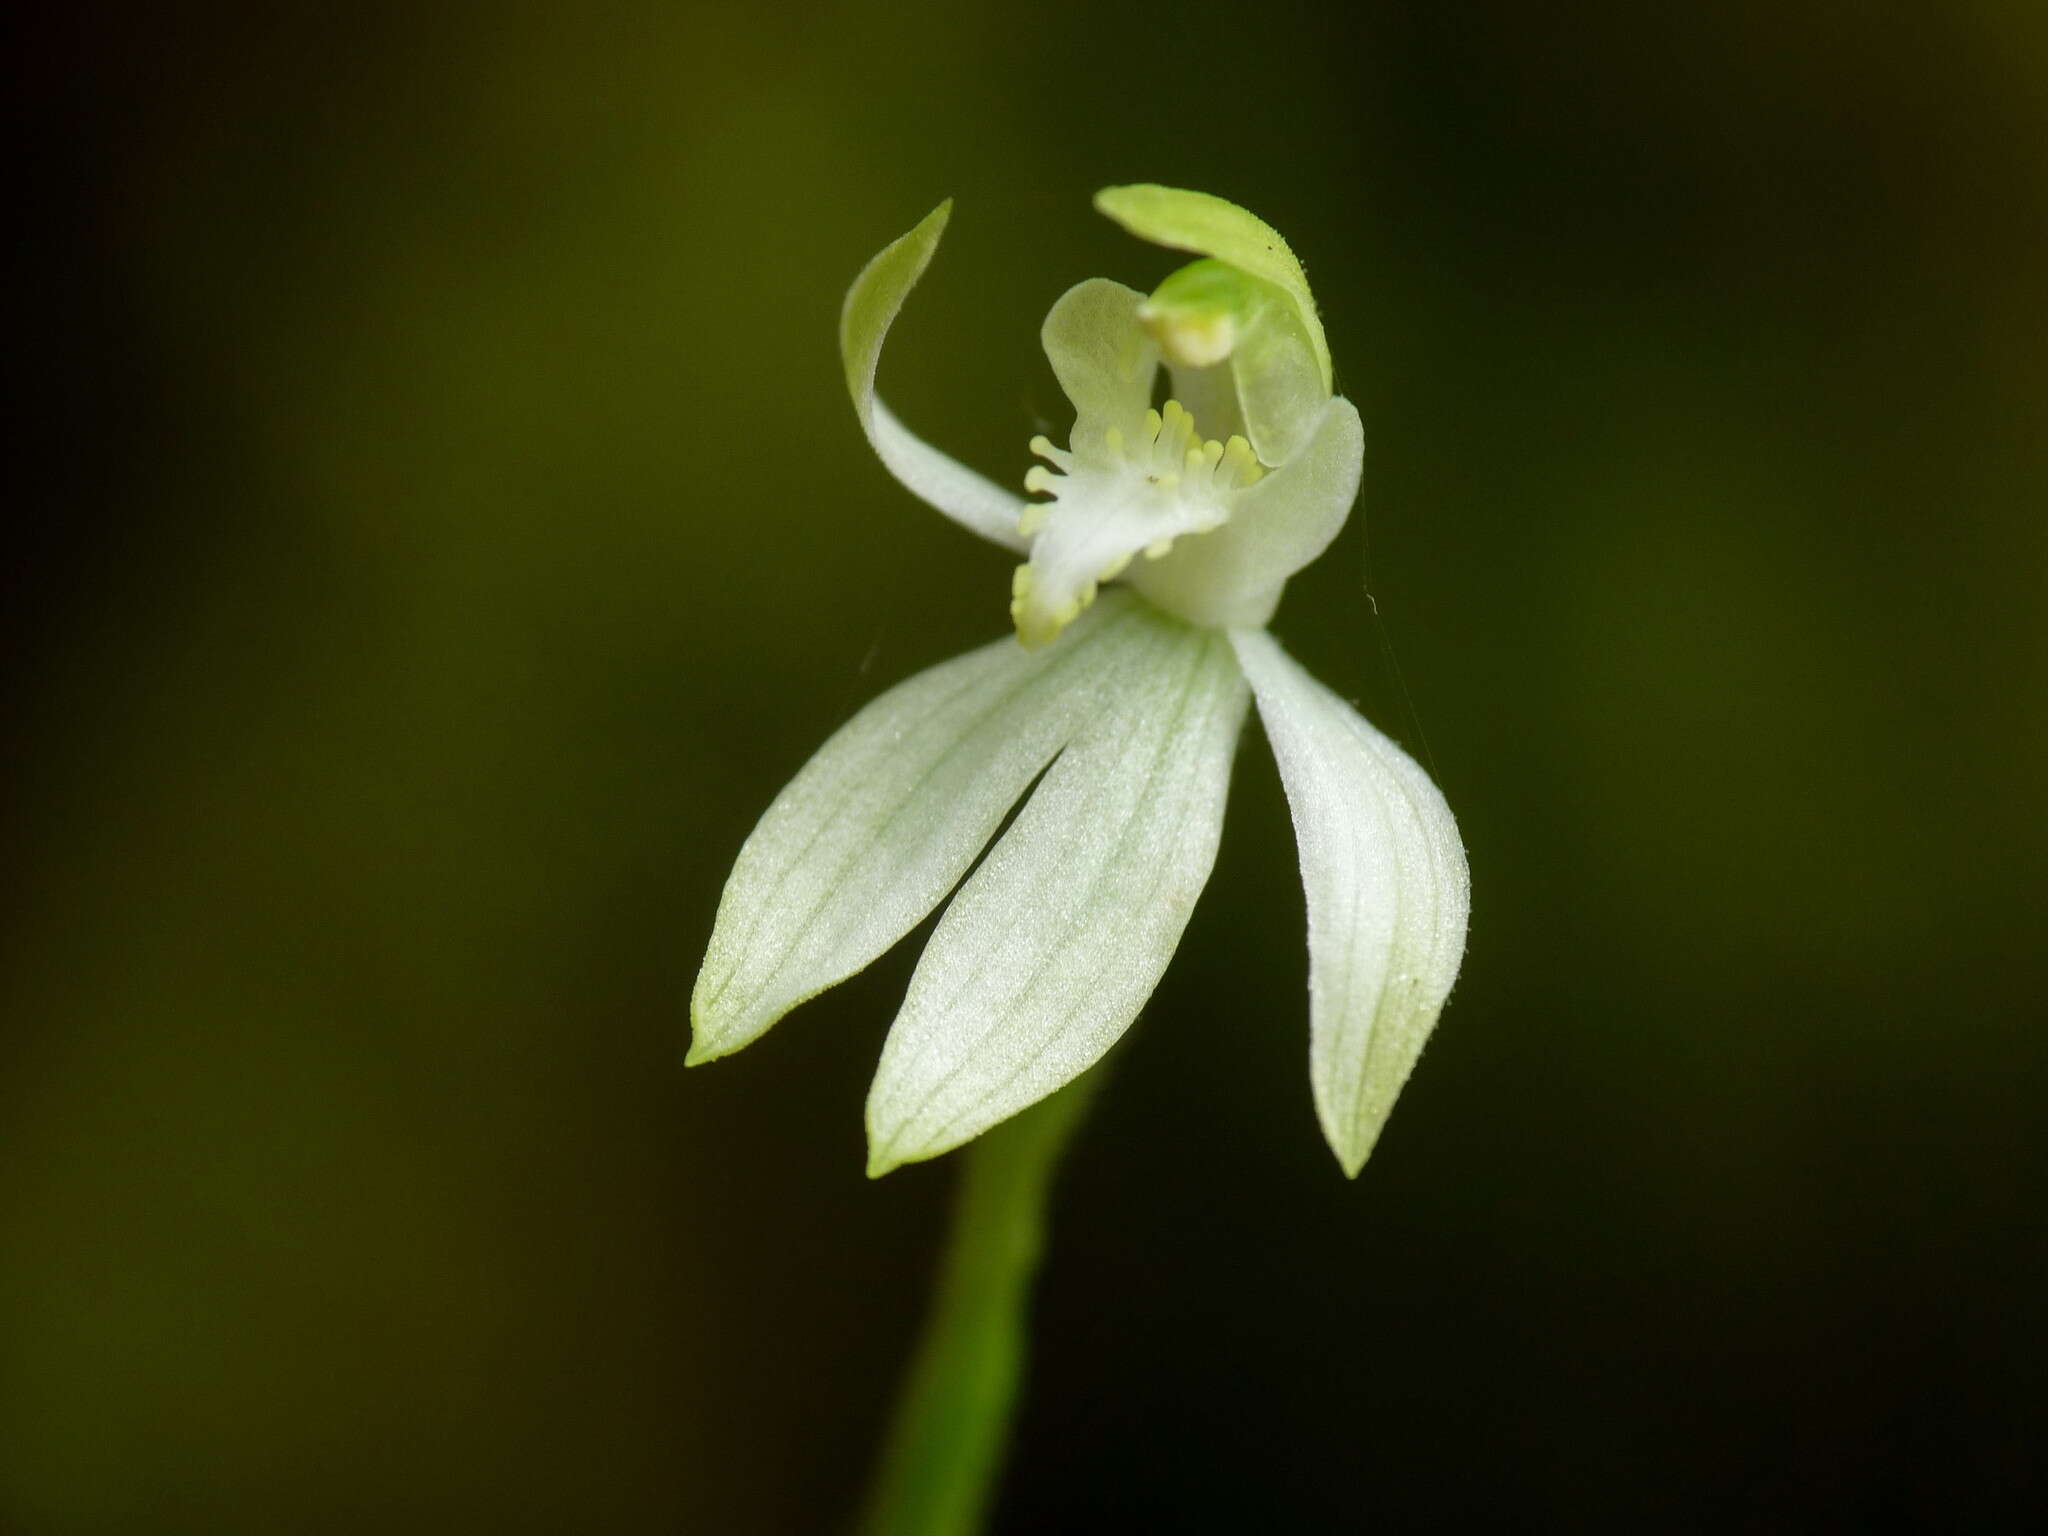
pixel 1139 494
pixel 1103 358
pixel 1388 894
pixel 1052 947
pixel 975 502
pixel 1234 574
pixel 1280 387
pixel 1210 226
pixel 882 822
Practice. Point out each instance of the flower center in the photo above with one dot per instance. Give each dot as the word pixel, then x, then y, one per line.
pixel 1128 493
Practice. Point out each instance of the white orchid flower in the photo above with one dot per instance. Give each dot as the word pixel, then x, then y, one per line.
pixel 1123 709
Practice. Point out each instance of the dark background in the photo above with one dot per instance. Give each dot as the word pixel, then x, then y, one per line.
pixel 438 529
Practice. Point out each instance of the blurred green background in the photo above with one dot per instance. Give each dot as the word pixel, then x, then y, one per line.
pixel 440 529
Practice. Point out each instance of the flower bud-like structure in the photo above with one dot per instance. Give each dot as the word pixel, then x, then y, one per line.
pixel 1155 555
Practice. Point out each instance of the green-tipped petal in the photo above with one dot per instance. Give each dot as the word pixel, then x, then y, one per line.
pixel 1049 951
pixel 1233 576
pixel 872 303
pixel 882 822
pixel 1388 894
pixel 1210 226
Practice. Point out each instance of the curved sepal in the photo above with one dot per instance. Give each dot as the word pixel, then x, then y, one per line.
pixel 872 304
pixel 1388 894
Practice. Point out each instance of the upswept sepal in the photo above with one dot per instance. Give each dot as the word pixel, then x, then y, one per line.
pixel 973 501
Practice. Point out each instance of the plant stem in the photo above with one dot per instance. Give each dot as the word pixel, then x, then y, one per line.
pixel 939 1466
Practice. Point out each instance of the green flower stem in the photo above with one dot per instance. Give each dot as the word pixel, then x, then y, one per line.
pixel 939 1467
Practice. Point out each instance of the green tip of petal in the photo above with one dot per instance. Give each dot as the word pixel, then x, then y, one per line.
pixel 1352 1136
pixel 702 1048
pixel 1211 226
pixel 894 1144
pixel 880 1163
pixel 893 1149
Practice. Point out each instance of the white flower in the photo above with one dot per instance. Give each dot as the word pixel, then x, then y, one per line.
pixel 1200 511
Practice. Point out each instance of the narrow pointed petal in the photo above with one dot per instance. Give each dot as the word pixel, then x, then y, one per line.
pixel 1103 358
pixel 1277 526
pixel 1388 894
pixel 877 827
pixel 1051 948
pixel 1211 226
pixel 975 502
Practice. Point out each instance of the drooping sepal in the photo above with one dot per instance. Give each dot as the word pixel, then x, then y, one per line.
pixel 1049 950
pixel 886 817
pixel 1388 894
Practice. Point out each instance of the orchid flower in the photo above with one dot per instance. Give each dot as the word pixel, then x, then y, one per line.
pixel 1153 561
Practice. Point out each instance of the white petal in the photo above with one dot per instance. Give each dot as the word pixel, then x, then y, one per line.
pixel 1103 358
pixel 1388 894
pixel 1138 494
pixel 1052 947
pixel 872 303
pixel 877 827
pixel 1234 575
